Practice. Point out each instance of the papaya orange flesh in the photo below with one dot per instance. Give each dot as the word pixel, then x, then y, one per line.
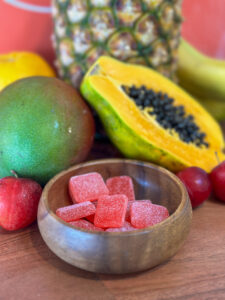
pixel 139 136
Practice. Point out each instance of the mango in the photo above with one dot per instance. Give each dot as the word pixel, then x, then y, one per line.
pixel 45 127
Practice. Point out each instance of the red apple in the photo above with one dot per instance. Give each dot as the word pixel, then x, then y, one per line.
pixel 19 199
pixel 197 183
pixel 217 177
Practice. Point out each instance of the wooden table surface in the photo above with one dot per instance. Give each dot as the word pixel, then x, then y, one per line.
pixel 30 271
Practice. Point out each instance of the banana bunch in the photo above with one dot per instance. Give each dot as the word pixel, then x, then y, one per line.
pixel 203 77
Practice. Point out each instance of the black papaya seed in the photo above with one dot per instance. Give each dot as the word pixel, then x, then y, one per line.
pixel 167 114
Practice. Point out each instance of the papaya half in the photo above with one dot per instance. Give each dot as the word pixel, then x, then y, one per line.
pixel 148 117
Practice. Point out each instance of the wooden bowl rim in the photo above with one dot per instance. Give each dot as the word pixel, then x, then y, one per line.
pixel 180 209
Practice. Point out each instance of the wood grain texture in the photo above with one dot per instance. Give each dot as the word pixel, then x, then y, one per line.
pixel 30 271
pixel 117 253
pixel 197 272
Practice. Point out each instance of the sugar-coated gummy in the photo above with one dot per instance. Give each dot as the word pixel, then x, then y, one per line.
pixel 110 211
pixel 121 185
pixel 95 203
pixel 127 216
pixel 144 214
pixel 87 187
pixel 76 211
pixel 90 218
pixel 126 227
pixel 85 225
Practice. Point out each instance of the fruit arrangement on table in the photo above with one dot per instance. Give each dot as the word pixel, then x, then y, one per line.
pixel 119 58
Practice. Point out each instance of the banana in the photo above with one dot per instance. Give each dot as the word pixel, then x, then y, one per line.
pixel 203 77
pixel 215 107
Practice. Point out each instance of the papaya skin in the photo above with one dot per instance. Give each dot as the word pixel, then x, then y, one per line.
pixel 45 127
pixel 121 73
pixel 130 144
pixel 131 132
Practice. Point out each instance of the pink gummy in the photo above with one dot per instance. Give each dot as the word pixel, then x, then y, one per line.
pixel 144 214
pixel 127 216
pixel 95 203
pixel 90 218
pixel 111 211
pixel 121 185
pixel 126 227
pixel 87 187
pixel 85 225
pixel 76 211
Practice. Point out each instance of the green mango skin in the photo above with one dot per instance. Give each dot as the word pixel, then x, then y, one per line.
pixel 45 127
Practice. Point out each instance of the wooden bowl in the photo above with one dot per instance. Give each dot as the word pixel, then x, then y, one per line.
pixel 113 252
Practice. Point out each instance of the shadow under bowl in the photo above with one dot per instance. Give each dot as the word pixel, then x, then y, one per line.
pixel 120 252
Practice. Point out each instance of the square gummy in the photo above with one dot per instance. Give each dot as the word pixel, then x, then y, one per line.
pixel 121 185
pixel 87 187
pixel 144 214
pixel 110 211
pixel 127 216
pixel 126 227
pixel 85 225
pixel 76 211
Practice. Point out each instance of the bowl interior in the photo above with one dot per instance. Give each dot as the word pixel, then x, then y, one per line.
pixel 150 182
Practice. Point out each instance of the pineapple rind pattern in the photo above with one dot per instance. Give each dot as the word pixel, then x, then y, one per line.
pixel 145 32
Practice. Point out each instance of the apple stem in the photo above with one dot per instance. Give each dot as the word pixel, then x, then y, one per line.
pixel 14 173
pixel 217 157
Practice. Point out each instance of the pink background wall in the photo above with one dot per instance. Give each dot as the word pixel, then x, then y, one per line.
pixel 30 30
pixel 204 25
pixel 25 29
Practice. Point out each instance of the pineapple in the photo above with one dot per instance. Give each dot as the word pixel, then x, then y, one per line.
pixel 137 31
